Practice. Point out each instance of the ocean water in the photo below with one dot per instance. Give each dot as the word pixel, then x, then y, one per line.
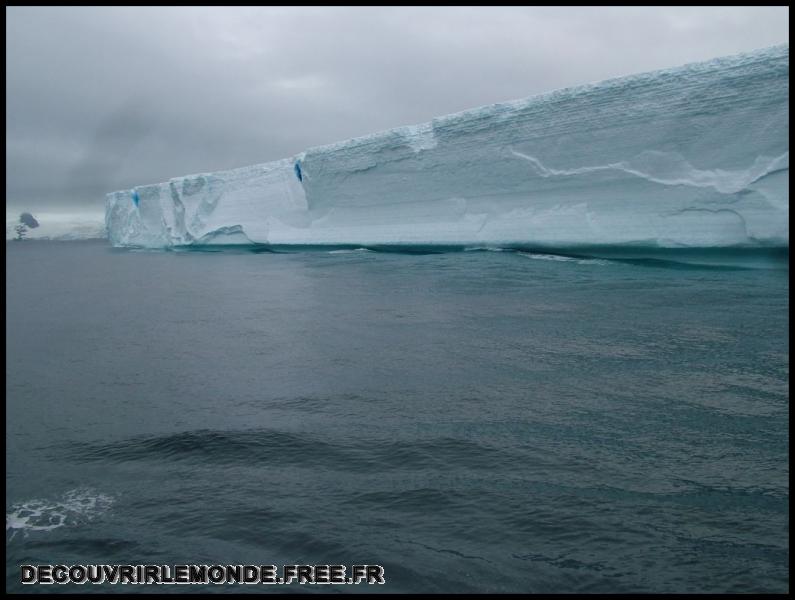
pixel 471 421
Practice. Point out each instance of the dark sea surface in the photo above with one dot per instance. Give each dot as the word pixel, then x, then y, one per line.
pixel 471 421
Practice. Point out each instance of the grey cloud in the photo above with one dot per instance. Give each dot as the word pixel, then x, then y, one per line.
pixel 100 99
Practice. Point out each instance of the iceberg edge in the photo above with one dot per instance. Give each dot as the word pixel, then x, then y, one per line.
pixel 694 156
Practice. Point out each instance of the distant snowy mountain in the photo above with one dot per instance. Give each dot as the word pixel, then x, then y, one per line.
pixel 59 226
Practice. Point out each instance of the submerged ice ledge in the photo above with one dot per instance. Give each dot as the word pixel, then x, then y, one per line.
pixel 692 156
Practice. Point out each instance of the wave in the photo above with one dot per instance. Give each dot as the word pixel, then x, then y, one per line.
pixel 636 255
pixel 563 258
pixel 264 446
pixel 350 251
pixel 72 508
pixel 487 249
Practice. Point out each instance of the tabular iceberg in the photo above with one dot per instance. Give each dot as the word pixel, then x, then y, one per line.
pixel 697 156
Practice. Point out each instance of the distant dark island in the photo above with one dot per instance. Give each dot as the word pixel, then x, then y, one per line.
pixel 26 220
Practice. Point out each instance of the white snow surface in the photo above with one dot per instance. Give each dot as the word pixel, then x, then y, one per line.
pixel 696 155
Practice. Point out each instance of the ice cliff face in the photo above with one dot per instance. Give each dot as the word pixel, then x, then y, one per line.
pixel 238 206
pixel 692 156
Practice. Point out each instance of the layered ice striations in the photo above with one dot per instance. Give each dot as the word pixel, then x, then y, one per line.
pixel 692 156
pixel 236 206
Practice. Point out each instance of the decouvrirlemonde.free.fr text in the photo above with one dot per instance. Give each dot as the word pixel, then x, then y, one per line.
pixel 201 574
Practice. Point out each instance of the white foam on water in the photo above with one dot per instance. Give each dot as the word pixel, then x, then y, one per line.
pixel 71 509
pixel 349 251
pixel 486 249
pixel 557 257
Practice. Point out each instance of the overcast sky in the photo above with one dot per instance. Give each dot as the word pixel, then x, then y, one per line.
pixel 99 99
